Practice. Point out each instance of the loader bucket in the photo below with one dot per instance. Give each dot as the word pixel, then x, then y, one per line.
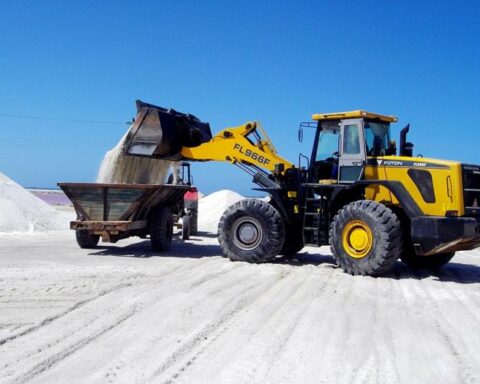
pixel 161 133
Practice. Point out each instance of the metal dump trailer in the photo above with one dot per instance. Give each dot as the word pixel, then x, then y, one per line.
pixel 118 211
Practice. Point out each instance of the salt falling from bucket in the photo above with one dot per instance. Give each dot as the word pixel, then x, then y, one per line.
pixel 117 168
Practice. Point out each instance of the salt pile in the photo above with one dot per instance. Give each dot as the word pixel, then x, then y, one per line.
pixel 211 208
pixel 117 168
pixel 21 211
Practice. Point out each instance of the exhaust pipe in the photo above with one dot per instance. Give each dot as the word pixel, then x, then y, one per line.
pixel 406 149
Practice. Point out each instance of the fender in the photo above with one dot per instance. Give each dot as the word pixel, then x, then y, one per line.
pixel 409 205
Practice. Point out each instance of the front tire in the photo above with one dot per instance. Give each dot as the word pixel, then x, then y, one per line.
pixel 251 230
pixel 365 238
pixel 161 228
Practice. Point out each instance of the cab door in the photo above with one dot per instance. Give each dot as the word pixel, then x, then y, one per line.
pixel 352 151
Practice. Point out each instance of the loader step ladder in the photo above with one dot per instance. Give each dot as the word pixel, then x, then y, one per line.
pixel 315 218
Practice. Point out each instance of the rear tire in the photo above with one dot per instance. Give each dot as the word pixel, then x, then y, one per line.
pixel 85 240
pixel 426 262
pixel 161 228
pixel 193 215
pixel 365 238
pixel 251 230
pixel 185 227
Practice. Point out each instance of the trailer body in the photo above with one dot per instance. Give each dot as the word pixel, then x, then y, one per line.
pixel 118 211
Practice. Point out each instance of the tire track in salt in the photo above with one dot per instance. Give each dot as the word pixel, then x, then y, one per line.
pixel 382 340
pixel 71 329
pixel 271 311
pixel 55 359
pixel 209 334
pixel 130 281
pixel 306 299
pixel 50 319
pixel 457 345
pixel 146 347
pixel 335 333
pixel 438 320
pixel 155 295
pixel 470 306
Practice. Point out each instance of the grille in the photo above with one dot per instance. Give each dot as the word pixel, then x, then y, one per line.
pixel 471 189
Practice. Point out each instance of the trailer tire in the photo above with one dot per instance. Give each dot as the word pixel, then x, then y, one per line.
pixel 425 262
pixel 193 214
pixel 161 228
pixel 251 230
pixel 86 240
pixel 185 227
pixel 365 238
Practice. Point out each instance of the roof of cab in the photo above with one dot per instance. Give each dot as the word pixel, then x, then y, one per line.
pixel 358 114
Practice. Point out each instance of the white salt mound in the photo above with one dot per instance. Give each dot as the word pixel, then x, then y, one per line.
pixel 117 168
pixel 21 211
pixel 211 208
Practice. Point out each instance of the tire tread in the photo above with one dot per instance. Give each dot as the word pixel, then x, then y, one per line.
pixel 387 243
pixel 274 231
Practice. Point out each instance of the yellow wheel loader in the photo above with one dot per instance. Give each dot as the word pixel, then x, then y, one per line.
pixel 356 194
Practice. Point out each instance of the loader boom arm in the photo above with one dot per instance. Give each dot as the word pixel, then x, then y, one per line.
pixel 246 144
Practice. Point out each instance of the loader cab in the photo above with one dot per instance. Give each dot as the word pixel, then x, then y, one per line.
pixel 342 143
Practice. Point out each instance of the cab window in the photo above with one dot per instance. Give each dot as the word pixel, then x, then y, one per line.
pixel 377 137
pixel 328 142
pixel 351 142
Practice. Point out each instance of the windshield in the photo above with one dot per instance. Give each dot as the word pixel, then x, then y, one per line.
pixel 328 141
pixel 377 137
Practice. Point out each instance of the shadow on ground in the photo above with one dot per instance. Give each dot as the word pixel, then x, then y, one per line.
pixel 452 272
pixel 196 248
pixel 191 249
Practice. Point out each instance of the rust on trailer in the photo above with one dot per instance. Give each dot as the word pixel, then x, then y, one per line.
pixel 120 202
pixel 117 226
pixel 116 211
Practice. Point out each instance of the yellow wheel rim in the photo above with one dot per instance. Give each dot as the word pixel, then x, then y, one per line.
pixel 357 239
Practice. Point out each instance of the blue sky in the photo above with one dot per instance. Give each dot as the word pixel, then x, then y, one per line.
pixel 229 62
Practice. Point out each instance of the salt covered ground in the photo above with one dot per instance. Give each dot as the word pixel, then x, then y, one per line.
pixel 122 313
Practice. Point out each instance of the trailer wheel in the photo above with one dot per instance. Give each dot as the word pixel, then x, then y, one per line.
pixel 365 238
pixel 193 214
pixel 161 228
pixel 251 230
pixel 185 227
pixel 425 262
pixel 86 240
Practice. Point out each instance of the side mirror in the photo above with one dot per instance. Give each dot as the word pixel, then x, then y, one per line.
pixel 300 134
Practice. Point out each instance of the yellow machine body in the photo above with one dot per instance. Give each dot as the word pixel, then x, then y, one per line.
pixel 235 146
pixel 445 176
pixel 357 114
